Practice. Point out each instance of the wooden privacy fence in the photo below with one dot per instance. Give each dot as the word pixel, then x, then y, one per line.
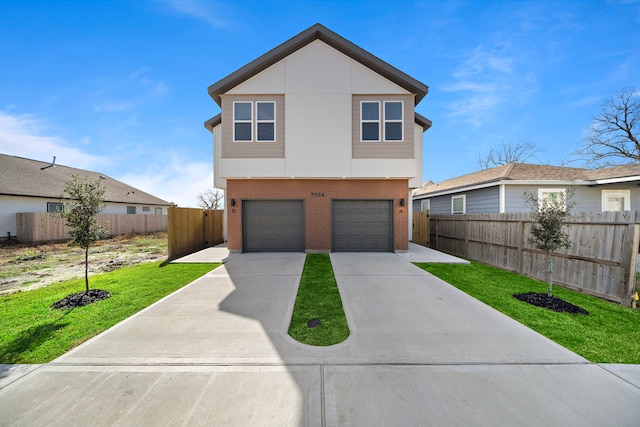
pixel 420 233
pixel 46 227
pixel 191 230
pixel 600 262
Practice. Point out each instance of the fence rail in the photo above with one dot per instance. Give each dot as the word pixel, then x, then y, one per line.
pixel 46 227
pixel 191 230
pixel 600 262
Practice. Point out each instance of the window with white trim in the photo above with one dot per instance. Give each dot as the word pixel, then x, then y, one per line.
pixel 254 121
pixel 459 204
pixel 393 120
pixel 381 124
pixel 158 211
pixel 146 209
pixel 131 210
pixel 616 200
pixel 552 195
pixel 369 121
pixel 425 205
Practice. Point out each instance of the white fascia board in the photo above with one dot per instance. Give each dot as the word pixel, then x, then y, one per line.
pixel 617 180
pixel 499 183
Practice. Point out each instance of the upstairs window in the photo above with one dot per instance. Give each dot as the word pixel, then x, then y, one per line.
pixel 381 121
pixel 266 121
pixel 254 121
pixel 370 121
pixel 393 121
pixel 242 121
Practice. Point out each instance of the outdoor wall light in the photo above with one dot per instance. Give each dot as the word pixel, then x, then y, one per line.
pixel 401 202
pixel 233 202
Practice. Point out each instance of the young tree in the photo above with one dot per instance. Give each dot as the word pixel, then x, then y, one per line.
pixel 211 199
pixel 85 200
pixel 613 137
pixel 508 153
pixel 548 216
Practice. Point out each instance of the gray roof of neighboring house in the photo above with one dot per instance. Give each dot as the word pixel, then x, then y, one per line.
pixel 319 32
pixel 530 172
pixel 33 178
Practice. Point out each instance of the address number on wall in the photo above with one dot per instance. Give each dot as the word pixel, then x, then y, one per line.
pixel 317 194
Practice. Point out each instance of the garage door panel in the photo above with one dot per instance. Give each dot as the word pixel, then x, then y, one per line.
pixel 273 225
pixel 362 225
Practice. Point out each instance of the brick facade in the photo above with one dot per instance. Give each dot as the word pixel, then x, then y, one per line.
pixel 317 195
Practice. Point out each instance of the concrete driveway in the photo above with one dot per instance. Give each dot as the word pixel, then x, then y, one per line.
pixel 420 353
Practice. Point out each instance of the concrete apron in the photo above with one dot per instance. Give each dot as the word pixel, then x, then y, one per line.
pixel 420 353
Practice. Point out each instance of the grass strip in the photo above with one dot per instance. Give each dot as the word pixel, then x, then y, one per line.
pixel 609 334
pixel 32 332
pixel 318 298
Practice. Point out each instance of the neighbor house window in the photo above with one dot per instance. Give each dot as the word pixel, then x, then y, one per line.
pixel 381 124
pixel 425 205
pixel 459 204
pixel 616 200
pixel 146 209
pixel 54 207
pixel 158 211
pixel 552 195
pixel 131 209
pixel 254 121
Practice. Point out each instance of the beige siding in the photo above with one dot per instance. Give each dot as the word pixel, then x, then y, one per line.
pixel 256 150
pixel 383 150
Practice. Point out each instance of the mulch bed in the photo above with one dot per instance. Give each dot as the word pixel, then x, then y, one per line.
pixel 552 303
pixel 81 299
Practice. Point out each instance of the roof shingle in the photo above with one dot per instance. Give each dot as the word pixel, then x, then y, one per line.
pixel 32 178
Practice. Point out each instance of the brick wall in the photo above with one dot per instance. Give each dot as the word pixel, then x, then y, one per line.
pixel 317 196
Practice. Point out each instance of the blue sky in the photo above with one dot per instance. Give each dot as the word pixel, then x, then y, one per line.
pixel 120 87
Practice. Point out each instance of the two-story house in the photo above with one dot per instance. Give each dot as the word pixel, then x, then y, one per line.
pixel 317 148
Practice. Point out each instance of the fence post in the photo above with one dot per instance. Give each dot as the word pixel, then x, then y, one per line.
pixel 631 270
pixel 520 254
pixel 467 231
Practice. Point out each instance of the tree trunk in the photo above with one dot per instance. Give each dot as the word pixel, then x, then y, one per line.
pixel 86 268
pixel 550 272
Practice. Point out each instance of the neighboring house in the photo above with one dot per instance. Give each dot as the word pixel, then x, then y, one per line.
pixel 500 189
pixel 33 186
pixel 317 147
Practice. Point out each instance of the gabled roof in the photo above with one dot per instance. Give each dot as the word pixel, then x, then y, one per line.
pixel 318 32
pixel 33 178
pixel 517 173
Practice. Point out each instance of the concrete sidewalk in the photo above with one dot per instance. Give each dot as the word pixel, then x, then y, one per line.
pixel 420 353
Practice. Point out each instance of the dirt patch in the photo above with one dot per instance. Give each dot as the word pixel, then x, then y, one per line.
pixel 550 302
pixel 25 267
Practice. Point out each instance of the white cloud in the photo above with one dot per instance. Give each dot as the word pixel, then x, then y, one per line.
pixel 176 181
pixel 488 79
pixel 207 11
pixel 25 136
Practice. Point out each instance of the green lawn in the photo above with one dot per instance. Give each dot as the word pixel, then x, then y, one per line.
pixel 609 334
pixel 318 298
pixel 32 332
